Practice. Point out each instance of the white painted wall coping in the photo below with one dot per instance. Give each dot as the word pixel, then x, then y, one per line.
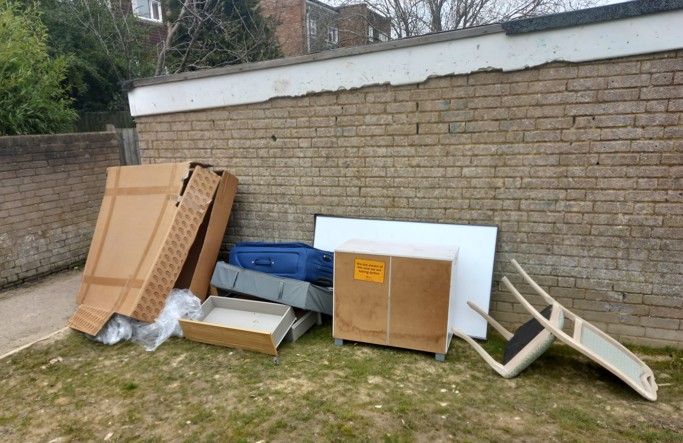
pixel 407 61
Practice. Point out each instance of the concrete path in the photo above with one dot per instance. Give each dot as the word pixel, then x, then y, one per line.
pixel 34 310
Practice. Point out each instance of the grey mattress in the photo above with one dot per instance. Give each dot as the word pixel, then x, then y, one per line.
pixel 296 293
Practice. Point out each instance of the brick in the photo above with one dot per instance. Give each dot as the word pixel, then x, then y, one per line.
pixel 661 92
pixel 629 81
pixel 606 108
pixel 521 100
pixel 618 159
pixel 495 89
pixel 660 323
pixel 621 133
pixel 673 132
pixel 546 111
pixel 581 84
pixel 663 334
pixel 619 67
pixel 629 330
pixel 554 123
pixel 381 96
pixel 618 95
pixel 486 78
pixel 557 72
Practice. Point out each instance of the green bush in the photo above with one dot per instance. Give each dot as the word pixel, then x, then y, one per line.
pixel 33 96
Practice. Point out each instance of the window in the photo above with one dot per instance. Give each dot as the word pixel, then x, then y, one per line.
pixel 371 33
pixel 147 9
pixel 155 6
pixel 332 35
pixel 312 26
pixel 383 37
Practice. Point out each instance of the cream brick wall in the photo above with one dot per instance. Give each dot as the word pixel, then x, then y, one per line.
pixel 52 186
pixel 580 166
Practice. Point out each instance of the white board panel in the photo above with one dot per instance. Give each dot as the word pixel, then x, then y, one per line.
pixel 475 260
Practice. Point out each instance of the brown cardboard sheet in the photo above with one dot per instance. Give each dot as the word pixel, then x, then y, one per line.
pixel 201 260
pixel 150 219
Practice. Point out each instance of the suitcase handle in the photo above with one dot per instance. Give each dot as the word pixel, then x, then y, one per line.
pixel 322 281
pixel 263 262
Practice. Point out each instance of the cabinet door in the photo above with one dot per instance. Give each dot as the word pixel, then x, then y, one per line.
pixel 419 301
pixel 361 298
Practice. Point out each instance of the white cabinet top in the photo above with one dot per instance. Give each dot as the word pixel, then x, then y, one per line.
pixel 412 250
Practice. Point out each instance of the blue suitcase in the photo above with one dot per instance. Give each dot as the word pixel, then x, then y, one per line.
pixel 292 260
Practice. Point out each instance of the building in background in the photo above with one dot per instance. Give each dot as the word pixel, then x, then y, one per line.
pixel 310 26
pixel 360 25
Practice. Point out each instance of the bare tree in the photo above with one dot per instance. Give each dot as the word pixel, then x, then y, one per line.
pixel 416 17
pixel 456 14
pixel 408 17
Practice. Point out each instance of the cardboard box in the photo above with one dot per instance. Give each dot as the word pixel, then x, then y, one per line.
pixel 395 294
pixel 238 323
pixel 156 223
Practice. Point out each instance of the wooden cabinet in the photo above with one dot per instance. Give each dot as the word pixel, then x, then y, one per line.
pixel 395 294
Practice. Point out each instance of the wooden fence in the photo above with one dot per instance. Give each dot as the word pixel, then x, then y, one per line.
pixel 130 151
pixel 98 121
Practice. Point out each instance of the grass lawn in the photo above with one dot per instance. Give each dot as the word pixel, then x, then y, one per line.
pixel 72 389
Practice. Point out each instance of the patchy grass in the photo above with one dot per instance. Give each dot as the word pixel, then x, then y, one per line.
pixel 73 389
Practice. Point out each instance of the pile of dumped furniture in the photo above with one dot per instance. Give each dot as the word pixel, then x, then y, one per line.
pixel 160 228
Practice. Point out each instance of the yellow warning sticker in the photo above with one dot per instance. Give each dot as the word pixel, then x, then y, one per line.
pixel 368 270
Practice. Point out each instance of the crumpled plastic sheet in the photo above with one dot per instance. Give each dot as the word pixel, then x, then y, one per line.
pixel 181 303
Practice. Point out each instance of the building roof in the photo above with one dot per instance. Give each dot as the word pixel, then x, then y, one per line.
pixel 619 30
pixel 590 15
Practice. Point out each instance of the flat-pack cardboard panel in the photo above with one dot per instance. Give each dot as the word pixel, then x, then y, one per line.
pixel 360 298
pixel 171 256
pixel 418 318
pixel 148 222
pixel 136 211
pixel 201 260
pixel 118 243
pixel 242 324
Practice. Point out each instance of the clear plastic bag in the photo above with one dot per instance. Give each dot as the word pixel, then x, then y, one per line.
pixel 181 303
pixel 118 328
